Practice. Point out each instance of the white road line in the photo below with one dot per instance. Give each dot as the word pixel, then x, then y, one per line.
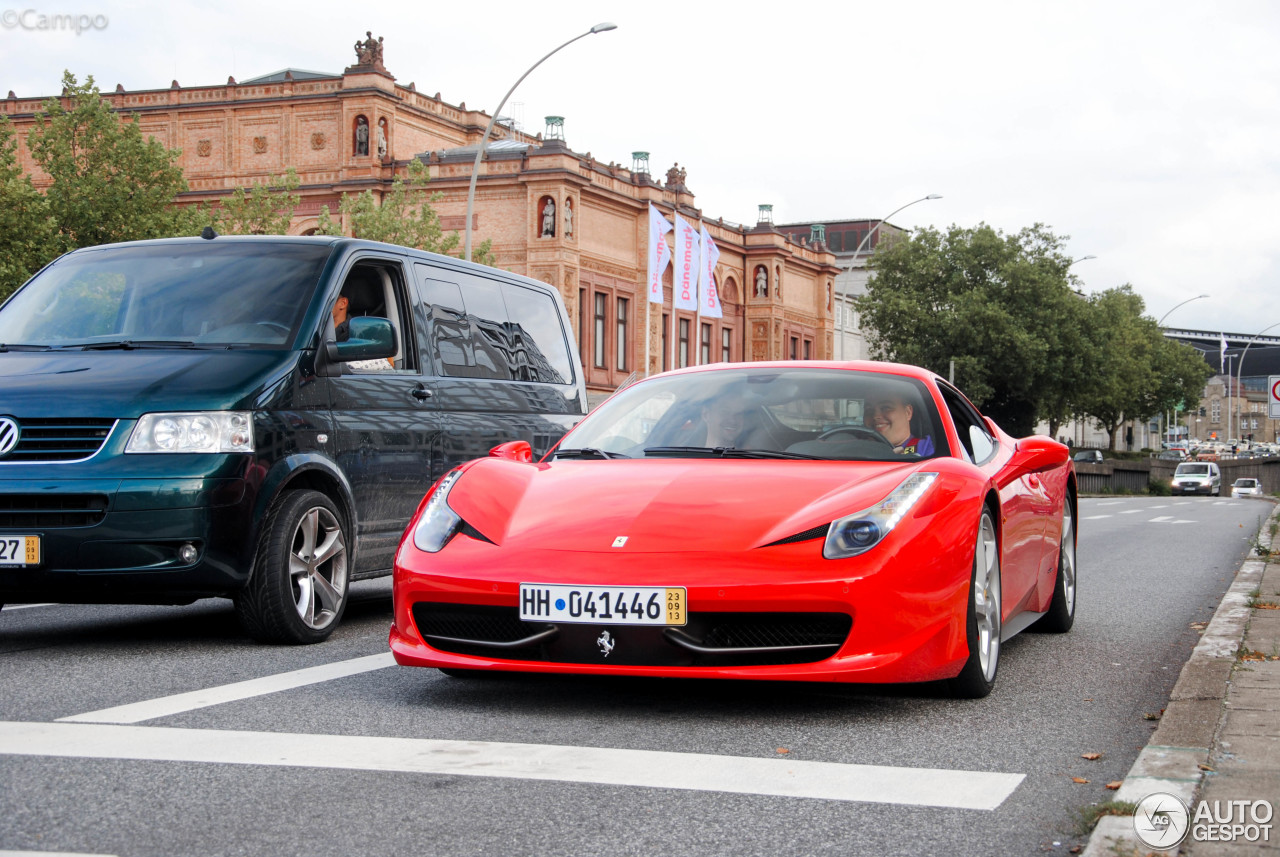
pixel 7 608
pixel 1132 511
pixel 1109 503
pixel 50 853
pixel 1096 517
pixel 783 777
pixel 1161 519
pixel 165 706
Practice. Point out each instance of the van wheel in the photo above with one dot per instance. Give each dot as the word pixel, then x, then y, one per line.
pixel 298 590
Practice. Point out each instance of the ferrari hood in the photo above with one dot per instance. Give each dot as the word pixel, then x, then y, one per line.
pixel 664 504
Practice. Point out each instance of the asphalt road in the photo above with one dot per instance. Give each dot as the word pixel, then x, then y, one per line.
pixel 1150 569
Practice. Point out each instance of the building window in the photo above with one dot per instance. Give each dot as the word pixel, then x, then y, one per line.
pixel 666 343
pixel 726 344
pixel 808 349
pixel 1217 411
pixel 684 343
pixel 795 347
pixel 704 344
pixel 582 324
pixel 622 334
pixel 598 345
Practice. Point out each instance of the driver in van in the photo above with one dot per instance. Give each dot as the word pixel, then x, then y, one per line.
pixel 890 415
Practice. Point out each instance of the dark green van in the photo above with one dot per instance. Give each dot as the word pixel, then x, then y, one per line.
pixel 183 418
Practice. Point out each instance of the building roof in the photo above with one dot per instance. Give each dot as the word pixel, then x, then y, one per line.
pixel 293 73
pixel 498 149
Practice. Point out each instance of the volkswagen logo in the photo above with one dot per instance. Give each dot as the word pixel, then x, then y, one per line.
pixel 9 434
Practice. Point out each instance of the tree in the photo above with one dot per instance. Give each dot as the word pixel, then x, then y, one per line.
pixel 109 183
pixel 266 209
pixel 1000 306
pixel 1135 372
pixel 405 216
pixel 27 232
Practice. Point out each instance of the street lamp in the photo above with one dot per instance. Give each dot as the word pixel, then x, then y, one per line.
pixel 1081 259
pixel 1240 372
pixel 475 168
pixel 1160 323
pixel 865 242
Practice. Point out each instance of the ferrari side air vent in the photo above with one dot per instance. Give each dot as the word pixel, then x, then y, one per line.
pixel 807 535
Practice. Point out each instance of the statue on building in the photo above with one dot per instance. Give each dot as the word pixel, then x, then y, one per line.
pixel 675 177
pixel 369 51
pixel 568 219
pixel 382 139
pixel 549 219
pixel 362 136
pixel 762 282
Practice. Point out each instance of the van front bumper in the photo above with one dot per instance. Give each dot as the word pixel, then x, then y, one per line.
pixel 125 540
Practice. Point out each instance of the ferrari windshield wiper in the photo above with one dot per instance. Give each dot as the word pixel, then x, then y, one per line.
pixel 587 452
pixel 17 346
pixel 721 452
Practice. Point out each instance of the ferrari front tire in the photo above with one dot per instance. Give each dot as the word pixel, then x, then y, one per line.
pixel 1062 609
pixel 983 624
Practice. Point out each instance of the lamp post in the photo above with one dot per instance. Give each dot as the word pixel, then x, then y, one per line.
pixel 475 168
pixel 865 243
pixel 1081 259
pixel 1240 372
pixel 1160 323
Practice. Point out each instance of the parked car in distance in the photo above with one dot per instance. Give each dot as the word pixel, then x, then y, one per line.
pixel 256 417
pixel 1197 477
pixel 1088 456
pixel 1246 487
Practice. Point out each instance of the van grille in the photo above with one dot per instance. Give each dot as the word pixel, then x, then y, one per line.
pixel 46 441
pixel 49 511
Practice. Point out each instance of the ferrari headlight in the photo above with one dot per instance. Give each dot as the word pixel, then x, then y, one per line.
pixel 197 431
pixel 861 531
pixel 437 523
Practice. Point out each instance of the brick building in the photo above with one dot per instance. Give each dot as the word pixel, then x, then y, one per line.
pixel 354 131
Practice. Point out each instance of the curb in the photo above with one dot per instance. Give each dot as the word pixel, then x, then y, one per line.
pixel 1178 752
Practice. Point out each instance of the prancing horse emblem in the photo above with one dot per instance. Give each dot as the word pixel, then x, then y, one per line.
pixel 606 643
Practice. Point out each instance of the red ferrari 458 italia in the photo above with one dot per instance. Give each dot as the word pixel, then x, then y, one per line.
pixel 856 522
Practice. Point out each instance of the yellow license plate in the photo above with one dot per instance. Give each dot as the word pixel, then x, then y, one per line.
pixel 604 605
pixel 19 551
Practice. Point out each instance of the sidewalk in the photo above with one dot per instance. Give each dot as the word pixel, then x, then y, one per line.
pixel 1219 737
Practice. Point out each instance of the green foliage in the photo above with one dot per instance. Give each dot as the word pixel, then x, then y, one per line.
pixel 1000 306
pixel 1135 372
pixel 27 233
pixel 266 209
pixel 109 184
pixel 405 216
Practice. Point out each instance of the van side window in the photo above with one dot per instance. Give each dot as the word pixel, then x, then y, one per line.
pixel 539 351
pixel 448 332
pixel 487 314
pixel 377 290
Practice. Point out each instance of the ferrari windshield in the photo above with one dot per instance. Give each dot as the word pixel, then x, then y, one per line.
pixel 191 295
pixel 767 413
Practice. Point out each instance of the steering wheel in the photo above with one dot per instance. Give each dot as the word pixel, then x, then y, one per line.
pixel 858 432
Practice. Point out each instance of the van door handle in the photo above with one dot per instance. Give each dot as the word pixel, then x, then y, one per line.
pixel 421 393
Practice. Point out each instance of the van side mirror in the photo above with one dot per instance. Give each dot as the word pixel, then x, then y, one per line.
pixel 370 338
pixel 513 450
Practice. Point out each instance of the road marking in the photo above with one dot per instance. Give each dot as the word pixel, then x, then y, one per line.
pixel 1161 519
pixel 783 777
pixel 1132 511
pixel 1096 517
pixel 1109 503
pixel 7 608
pixel 1162 506
pixel 50 853
pixel 165 706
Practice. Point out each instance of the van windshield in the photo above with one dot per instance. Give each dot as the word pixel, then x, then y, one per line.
pixel 1192 470
pixel 215 294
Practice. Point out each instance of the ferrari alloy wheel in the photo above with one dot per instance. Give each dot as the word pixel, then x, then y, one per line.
pixel 1062 609
pixel 298 590
pixel 983 624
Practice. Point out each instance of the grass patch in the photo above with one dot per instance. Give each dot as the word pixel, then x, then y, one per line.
pixel 1087 817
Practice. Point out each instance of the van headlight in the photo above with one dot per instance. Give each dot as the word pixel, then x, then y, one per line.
pixel 198 431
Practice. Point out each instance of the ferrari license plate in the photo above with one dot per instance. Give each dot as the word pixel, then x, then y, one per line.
pixel 19 551
pixel 603 605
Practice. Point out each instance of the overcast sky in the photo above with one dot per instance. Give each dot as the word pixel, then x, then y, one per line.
pixel 1149 132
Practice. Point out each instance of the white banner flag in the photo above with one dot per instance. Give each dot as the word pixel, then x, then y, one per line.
pixel 685 254
pixel 659 252
pixel 707 294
